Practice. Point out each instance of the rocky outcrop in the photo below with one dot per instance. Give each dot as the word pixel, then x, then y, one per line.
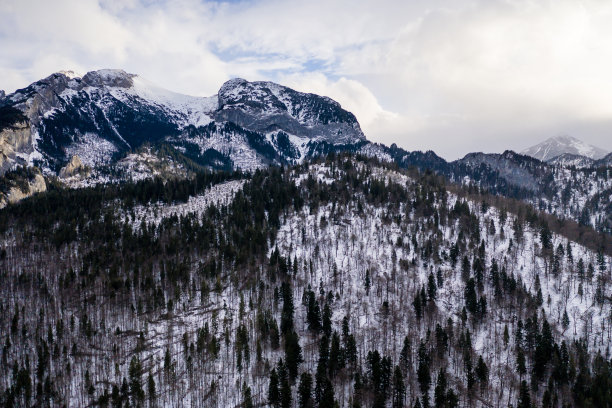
pixel 75 166
pixel 267 107
pixel 14 139
pixel 17 193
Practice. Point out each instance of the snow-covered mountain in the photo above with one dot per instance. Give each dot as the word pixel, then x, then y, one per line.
pixel 104 114
pixel 109 125
pixel 558 145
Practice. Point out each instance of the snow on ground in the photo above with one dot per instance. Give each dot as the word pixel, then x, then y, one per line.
pixel 345 245
pixel 336 247
pixel 144 165
pixel 193 110
pixel 91 149
pixel 219 194
pixel 233 145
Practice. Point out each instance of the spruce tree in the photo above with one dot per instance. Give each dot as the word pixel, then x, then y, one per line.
pixel 305 391
pixel 273 389
pixel 399 389
pixel 423 369
pixel 524 399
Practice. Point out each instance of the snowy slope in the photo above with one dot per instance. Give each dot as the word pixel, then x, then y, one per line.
pixel 335 246
pixel 558 145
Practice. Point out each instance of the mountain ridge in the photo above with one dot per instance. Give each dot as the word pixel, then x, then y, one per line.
pixel 116 111
pixel 103 118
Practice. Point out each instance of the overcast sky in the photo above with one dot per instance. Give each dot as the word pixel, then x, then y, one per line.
pixel 451 76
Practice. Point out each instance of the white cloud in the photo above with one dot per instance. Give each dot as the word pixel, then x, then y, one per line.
pixel 448 75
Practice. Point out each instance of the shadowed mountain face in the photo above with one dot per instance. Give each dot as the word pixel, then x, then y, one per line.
pixel 105 113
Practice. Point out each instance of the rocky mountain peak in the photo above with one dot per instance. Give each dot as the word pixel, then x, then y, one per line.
pixel 558 145
pixel 254 96
pixel 102 114
pixel 116 78
pixel 71 74
pixel 268 107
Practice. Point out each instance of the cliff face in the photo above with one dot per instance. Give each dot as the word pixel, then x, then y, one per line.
pixel 15 144
pixel 20 191
pixel 74 166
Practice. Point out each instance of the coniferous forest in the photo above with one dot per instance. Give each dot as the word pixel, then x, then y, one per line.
pixel 339 282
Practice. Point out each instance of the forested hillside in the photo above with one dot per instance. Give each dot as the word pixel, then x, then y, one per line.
pixel 341 281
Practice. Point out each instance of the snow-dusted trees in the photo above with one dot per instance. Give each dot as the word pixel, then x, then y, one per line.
pixel 342 282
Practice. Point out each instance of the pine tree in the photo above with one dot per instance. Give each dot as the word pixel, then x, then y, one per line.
pixel 545 237
pixel 313 314
pixel 321 373
pixel 524 399
pixel 327 324
pixel 288 308
pixel 293 355
pixel 273 389
pixel 440 390
pixel 431 287
pixel 285 392
pixel 135 373
pixel 469 372
pixel 405 355
pixel 418 308
pixel 305 391
pixel 506 335
pixel 335 356
pixel 399 389
pixel 465 269
pixel 327 396
pixel 565 320
pixel 471 302
pixel 151 388
pixel 247 399
pixel 520 362
pixel 482 371
pixel 423 368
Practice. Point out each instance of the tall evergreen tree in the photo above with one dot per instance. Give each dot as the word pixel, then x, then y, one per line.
pixel 399 389
pixel 524 399
pixel 305 391
pixel 423 375
pixel 273 389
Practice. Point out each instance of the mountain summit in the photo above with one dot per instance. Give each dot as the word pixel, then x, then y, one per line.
pixel 102 115
pixel 558 145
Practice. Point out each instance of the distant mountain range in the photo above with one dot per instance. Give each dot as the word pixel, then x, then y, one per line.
pixel 110 126
pixel 557 146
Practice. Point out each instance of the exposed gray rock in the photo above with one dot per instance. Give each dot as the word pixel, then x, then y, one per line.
pixel 108 112
pixel 75 166
pixel 109 77
pixel 14 139
pixel 265 107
